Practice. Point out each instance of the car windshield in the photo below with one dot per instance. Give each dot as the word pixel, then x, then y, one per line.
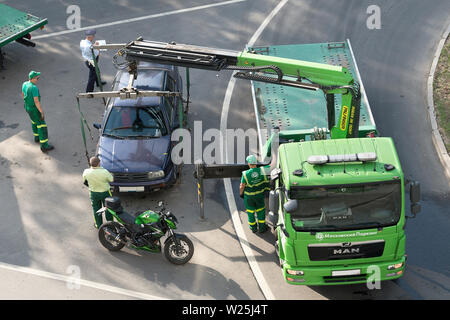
pixel 346 207
pixel 135 122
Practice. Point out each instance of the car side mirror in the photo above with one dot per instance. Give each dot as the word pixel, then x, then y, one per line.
pixel 97 126
pixel 290 206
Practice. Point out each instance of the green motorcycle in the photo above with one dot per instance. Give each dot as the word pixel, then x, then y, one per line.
pixel 144 232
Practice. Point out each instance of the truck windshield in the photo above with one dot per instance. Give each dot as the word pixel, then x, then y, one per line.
pixel 135 122
pixel 347 207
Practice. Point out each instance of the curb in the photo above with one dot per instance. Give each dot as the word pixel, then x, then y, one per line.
pixel 437 139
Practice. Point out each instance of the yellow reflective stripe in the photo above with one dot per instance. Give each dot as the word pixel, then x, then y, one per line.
pixel 245 177
pixel 43 141
pixel 256 185
pixel 251 211
pixel 36 134
pixel 260 209
pixel 33 122
pixel 252 223
pixel 253 193
pixel 42 126
pixel 261 221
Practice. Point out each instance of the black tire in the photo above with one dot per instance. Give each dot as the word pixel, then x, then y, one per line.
pixel 110 244
pixel 183 257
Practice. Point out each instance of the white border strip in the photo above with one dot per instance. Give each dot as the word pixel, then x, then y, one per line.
pixel 267 292
pixel 363 90
pixel 258 125
pixel 86 283
pixel 152 16
pixel 436 136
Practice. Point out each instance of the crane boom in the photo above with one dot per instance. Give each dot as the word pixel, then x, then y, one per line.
pixel 253 66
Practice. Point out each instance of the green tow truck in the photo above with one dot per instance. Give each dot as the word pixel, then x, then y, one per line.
pixel 337 200
pixel 338 205
pixel 16 25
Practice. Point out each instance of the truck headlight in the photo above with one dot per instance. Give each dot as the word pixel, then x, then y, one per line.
pixel 295 272
pixel 395 266
pixel 153 175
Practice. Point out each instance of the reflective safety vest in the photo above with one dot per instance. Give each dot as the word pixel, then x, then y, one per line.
pixel 256 181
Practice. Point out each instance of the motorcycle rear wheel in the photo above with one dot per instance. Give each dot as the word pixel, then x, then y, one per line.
pixel 108 241
pixel 179 254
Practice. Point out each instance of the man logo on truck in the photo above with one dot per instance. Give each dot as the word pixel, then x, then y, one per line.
pixel 345 251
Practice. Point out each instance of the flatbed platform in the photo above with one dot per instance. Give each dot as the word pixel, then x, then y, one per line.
pixel 15 24
pixel 301 110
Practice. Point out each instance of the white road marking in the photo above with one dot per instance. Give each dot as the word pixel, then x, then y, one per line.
pixel 86 283
pixel 227 182
pixel 152 16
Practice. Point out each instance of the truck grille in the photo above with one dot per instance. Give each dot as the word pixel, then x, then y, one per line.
pixel 345 250
pixel 131 177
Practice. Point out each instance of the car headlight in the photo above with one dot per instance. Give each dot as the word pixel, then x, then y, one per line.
pixel 153 175
pixel 295 272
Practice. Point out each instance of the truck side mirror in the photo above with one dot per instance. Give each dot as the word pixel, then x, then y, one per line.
pixel 274 201
pixel 97 126
pixel 414 192
pixel 414 196
pixel 291 206
pixel 415 208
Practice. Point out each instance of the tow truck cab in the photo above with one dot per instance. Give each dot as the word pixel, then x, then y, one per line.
pixel 339 211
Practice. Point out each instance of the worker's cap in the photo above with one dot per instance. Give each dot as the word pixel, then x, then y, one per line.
pixel 251 159
pixel 90 32
pixel 33 74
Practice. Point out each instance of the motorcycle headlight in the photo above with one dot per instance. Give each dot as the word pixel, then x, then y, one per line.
pixel 153 175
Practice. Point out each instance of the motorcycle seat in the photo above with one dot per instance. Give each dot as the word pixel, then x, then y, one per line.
pixel 127 217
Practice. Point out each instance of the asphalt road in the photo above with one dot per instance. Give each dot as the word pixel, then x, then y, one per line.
pixel 46 218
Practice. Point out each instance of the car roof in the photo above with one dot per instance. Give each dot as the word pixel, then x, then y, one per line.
pixel 150 77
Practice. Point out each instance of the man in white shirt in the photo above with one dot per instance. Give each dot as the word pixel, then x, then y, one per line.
pixel 85 46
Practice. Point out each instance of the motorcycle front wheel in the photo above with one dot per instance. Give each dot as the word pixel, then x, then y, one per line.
pixel 179 254
pixel 107 235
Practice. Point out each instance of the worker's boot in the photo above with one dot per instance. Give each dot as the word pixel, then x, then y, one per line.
pixel 48 148
pixel 262 228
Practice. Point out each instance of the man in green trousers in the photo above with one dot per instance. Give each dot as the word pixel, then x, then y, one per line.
pixel 98 179
pixel 254 183
pixel 32 101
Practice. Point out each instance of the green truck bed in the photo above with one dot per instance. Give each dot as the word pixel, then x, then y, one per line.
pixel 15 24
pixel 301 110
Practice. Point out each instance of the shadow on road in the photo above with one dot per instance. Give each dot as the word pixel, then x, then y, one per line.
pixel 203 282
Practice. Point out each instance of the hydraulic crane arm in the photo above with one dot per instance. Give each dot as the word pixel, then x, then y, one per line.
pixel 252 66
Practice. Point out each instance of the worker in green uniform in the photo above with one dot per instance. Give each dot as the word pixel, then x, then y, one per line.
pixel 32 101
pixel 254 183
pixel 98 179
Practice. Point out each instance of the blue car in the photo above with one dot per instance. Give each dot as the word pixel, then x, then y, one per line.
pixel 135 144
